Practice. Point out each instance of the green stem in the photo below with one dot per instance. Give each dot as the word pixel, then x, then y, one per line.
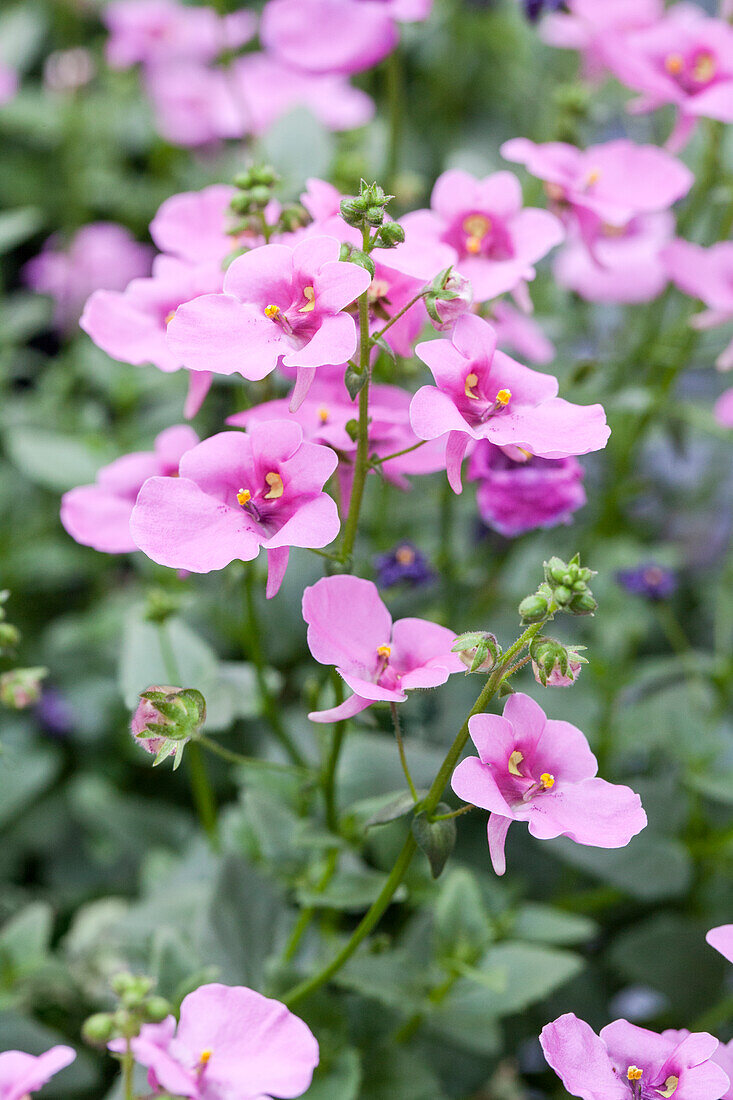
pixel 329 771
pixel 396 317
pixel 401 750
pixel 267 702
pixel 306 915
pixel 128 1070
pixel 398 454
pixel 249 761
pixel 454 813
pixel 428 805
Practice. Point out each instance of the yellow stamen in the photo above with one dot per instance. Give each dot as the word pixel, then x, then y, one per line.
pixel 503 397
pixel 471 381
pixel 405 555
pixel 323 414
pixel 169 317
pixel 593 177
pixel 705 68
pixel 310 297
pixel 276 489
pixel 476 225
pixel 384 651
pixel 205 1056
pixel 674 63
pixel 473 245
pixel 244 497
pixel 633 1073
pixel 272 312
pixel 669 1086
pixel 548 781
pixel 514 761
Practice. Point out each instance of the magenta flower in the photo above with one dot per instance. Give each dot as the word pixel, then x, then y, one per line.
pixel 707 274
pixel 723 409
pixel 231 1043
pixel 625 264
pixel 721 938
pixel 235 494
pixel 610 183
pixel 336 36
pixel 481 393
pixel 153 32
pixel 279 305
pixel 99 515
pixel 495 241
pixel 631 1063
pixel 192 226
pixel 100 256
pixel 21 1074
pixel 685 59
pixel 536 769
pixel 589 27
pixel 518 492
pixel 349 627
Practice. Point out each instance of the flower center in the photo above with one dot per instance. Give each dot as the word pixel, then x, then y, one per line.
pixel 592 177
pixel 547 782
pixel 674 63
pixel 405 555
pixel 204 1058
pixel 323 414
pixel 669 1086
pixel 310 300
pixel 475 226
pixel 276 487
pixel 704 68
pixel 514 761
pixel 633 1073
pixel 471 383
pixel 384 651
pixel 554 192
pixel 273 312
pixel 169 317
pixel 244 497
pixel 503 398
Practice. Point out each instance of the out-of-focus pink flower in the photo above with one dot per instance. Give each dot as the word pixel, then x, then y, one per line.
pixel 723 410
pixel 349 627
pixel 519 493
pixel 520 333
pixel 495 241
pixel 9 82
pixel 336 36
pixel 480 393
pixel 21 1074
pixel 68 70
pixel 193 224
pixel 279 304
pixel 628 1061
pixel 153 32
pixel 230 1043
pixel 589 26
pixel 707 274
pixel 625 264
pixel 536 769
pixel 99 515
pixel 686 59
pixel 235 494
pixel 101 255
pixel 721 938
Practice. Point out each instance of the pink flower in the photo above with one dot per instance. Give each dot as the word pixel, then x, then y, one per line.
pixel 722 1057
pixel 100 256
pixel 9 82
pixel 589 26
pixel 152 32
pixel 625 264
pixel 336 36
pixel 99 515
pixel 517 332
pixel 631 1063
pixel 132 325
pixel 279 305
pixel 536 769
pixel 686 59
pixel 495 241
pixel 707 274
pixel 349 627
pixel 481 393
pixel 518 492
pixel 21 1074
pixel 230 1043
pixel 192 226
pixel 610 183
pixel 235 494
pixel 723 410
pixel 721 938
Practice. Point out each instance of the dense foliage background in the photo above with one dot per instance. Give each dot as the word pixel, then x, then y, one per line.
pixel 102 861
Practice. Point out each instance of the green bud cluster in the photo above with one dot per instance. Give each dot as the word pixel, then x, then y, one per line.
pixel 255 187
pixel 479 651
pixel 549 655
pixel 565 588
pixel 367 210
pixel 137 1005
pixel 9 634
pixel 21 687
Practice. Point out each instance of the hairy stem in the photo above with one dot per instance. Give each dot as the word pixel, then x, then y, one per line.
pixel 401 750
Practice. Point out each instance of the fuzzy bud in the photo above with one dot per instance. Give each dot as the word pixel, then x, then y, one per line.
pixel 98 1029
pixel 21 687
pixel 533 609
pixel 553 664
pixel 353 210
pixel 450 296
pixel 390 235
pixel 356 256
pixel 166 718
pixel 478 650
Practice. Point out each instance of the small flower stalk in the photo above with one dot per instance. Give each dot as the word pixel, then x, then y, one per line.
pixel 166 719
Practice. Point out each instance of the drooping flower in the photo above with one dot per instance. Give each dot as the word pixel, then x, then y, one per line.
pixel 623 265
pixel 230 1043
pixel 350 627
pixel 235 494
pixel 279 305
pixel 518 492
pixel 627 1062
pixel 536 769
pixel 589 27
pixel 685 58
pixel 157 32
pixel 480 393
pixel 22 1074
pixel 99 515
pixel 495 240
pixel 721 938
pixel 404 564
pixel 707 274
pixel 651 580
pixel 101 255
pixel 336 36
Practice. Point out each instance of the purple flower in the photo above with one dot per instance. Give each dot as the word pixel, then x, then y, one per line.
pixel 279 305
pixel 405 563
pixel 349 627
pixel 99 515
pixel 653 581
pixel 631 1063
pixel 55 714
pixel 480 393
pixel 21 1074
pixel 235 494
pixel 518 492
pixel 230 1043
pixel 539 770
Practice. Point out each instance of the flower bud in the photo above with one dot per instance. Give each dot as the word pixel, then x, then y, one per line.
pixel 353 210
pixel 9 636
pixel 166 718
pixel 21 687
pixel 553 664
pixel 264 175
pixel 478 650
pixel 242 203
pixel 98 1029
pixel 374 215
pixel 260 196
pixel 156 1009
pixel 450 297
pixel 390 235
pixel 292 218
pixel 356 256
pixel 533 609
pixel 583 604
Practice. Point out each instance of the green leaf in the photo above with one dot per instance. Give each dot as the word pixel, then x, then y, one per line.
pixel 248 919
pixel 17 226
pixel 541 922
pixel 462 930
pixel 650 867
pixel 25 772
pixel 337 1079
pixel 52 460
pixel 437 839
pixel 351 890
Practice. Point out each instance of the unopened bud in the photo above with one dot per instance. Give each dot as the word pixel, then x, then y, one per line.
pixel 353 210
pixel 374 215
pixel 9 636
pixel 98 1029
pixel 356 256
pixel 553 664
pixel 166 718
pixel 390 235
pixel 478 650
pixel 583 604
pixel 450 297
pixel 260 196
pixel 533 609
pixel 21 687
pixel 155 1009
